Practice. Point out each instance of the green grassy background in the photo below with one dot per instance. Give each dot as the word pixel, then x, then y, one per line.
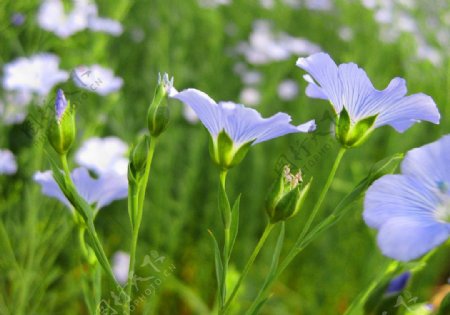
pixel 39 261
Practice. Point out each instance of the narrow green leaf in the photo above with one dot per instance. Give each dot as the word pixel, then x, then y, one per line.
pixel 234 224
pixel 276 256
pixel 258 307
pixel 219 268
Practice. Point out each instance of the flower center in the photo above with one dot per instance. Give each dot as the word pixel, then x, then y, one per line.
pixel 443 210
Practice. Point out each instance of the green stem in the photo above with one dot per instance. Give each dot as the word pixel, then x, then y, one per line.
pixel 65 166
pixel 247 267
pixel 226 246
pixel 136 222
pixel 297 246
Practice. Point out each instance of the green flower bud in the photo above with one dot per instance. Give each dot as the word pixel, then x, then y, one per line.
pixel 138 156
pixel 158 112
pixel 61 132
pixel 351 135
pixel 225 153
pixel 286 196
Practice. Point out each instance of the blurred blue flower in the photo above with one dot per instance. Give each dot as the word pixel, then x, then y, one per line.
pixel 242 124
pixel 97 79
pixel 347 86
pixel 104 155
pixel 98 192
pixel 8 163
pixel 398 283
pixel 53 17
pixel 36 74
pixel 411 211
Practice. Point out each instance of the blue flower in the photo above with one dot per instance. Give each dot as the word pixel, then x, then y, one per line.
pixel 349 89
pixel 411 211
pixel 242 125
pixel 98 192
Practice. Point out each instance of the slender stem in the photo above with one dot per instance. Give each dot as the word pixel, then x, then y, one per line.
pixel 65 166
pixel 226 246
pixel 297 246
pixel 247 267
pixel 139 206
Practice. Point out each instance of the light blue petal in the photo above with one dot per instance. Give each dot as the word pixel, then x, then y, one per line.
pixel 313 90
pixel 49 186
pixel 101 191
pixel 325 72
pixel 395 196
pixel 111 187
pixel 205 107
pixel 356 87
pixel 408 238
pixel 402 113
pixel 245 124
pixel 429 163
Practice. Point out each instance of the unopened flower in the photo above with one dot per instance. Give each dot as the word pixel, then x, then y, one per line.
pixel 158 114
pixel 61 132
pixel 98 192
pixel 36 74
pixel 411 211
pixel 234 127
pixel 96 79
pixel 104 155
pixel 8 163
pixel 361 108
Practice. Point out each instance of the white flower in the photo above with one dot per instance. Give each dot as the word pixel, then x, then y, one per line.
pixel 13 108
pixel 265 46
pixel 8 163
pixel 96 79
pixel 38 74
pixel 104 155
pixel 105 25
pixel 120 266
pixel 288 90
pixel 98 192
pixel 84 15
pixel 250 96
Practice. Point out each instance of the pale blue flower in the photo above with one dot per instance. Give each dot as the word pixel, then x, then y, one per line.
pixel 242 124
pixel 411 211
pixel 397 284
pixel 97 79
pixel 8 163
pixel 104 155
pixel 347 86
pixel 98 192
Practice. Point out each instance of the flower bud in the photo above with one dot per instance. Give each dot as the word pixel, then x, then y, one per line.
pixel 138 156
pixel 351 135
pixel 286 196
pixel 225 153
pixel 158 112
pixel 61 132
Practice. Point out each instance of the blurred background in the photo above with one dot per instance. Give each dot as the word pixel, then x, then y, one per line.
pixel 239 50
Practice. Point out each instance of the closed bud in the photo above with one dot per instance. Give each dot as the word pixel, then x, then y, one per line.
pixel 138 156
pixel 61 131
pixel 351 134
pixel 286 196
pixel 158 112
